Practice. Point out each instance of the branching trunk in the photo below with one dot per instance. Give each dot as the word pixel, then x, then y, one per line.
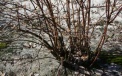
pixel 63 27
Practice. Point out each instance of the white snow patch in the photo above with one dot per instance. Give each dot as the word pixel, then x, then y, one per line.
pixel 97 2
pixel 119 19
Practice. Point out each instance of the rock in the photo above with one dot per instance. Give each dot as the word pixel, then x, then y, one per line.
pixel 10 74
pixel 1 73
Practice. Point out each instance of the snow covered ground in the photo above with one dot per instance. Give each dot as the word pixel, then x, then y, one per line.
pixel 32 60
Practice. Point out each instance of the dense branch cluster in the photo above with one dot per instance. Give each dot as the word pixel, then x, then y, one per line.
pixel 63 26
